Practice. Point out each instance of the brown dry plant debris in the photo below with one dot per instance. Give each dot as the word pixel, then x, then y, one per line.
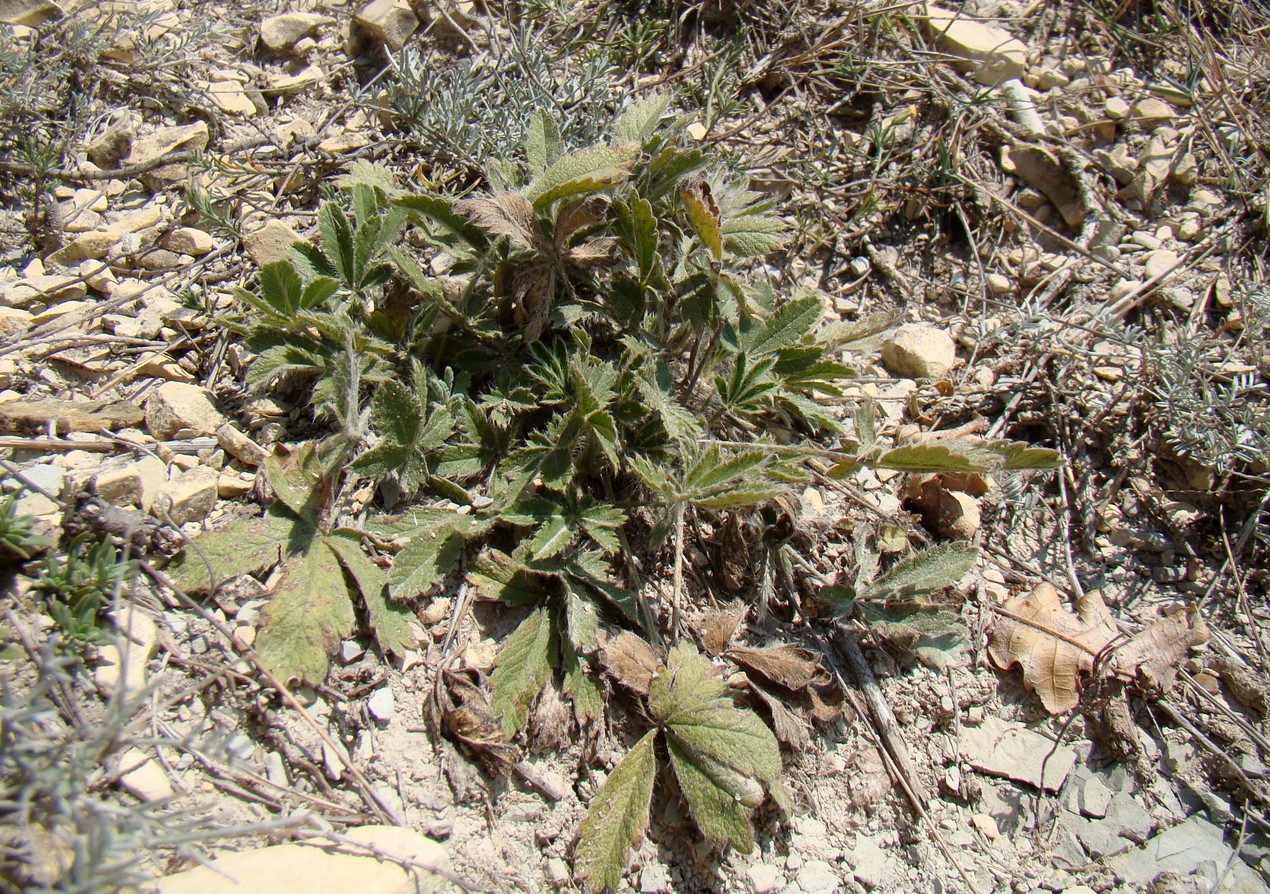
pixel 1054 647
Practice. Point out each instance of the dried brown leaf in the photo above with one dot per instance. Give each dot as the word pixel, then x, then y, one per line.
pixel 467 717
pixel 630 661
pixel 1154 655
pixel 719 627
pixel 785 665
pixel 506 214
pixel 597 251
pixel 577 216
pixel 1052 646
pixel 791 729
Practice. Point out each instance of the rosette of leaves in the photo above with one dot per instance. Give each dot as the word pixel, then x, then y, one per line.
pixel 724 760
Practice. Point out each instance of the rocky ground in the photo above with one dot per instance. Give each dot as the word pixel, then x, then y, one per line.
pixel 1068 206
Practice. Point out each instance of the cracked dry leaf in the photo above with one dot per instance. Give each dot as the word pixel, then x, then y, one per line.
pixel 784 665
pixel 630 661
pixel 719 627
pixel 1154 655
pixel 467 717
pixel 1052 646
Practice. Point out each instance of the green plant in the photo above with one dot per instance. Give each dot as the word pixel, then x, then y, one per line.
pixel 18 541
pixel 77 584
pixel 597 366
pixel 725 760
pixel 322 569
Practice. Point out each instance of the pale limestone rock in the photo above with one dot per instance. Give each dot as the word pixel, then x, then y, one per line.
pixel 63 309
pixel 167 139
pixel 302 81
pixel 1159 262
pixel 154 478
pixel 124 662
pixel 270 243
pixel 189 241
pixel 13 321
pixel 176 407
pixel 280 33
pixel 993 55
pixel 45 288
pixel 1041 169
pixel 114 144
pixel 918 351
pixel 142 777
pixel 390 22
pixel 29 13
pixel 231 487
pixel 86 246
pixel 239 446
pixel 1117 109
pixel 119 486
pixel 98 276
pixel 231 98
pixel 190 496
pixel 141 219
pixel 315 869
pixel 1151 113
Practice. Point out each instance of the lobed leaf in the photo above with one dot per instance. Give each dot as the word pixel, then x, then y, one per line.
pixel 389 623
pixel 247 546
pixel 725 758
pixel 308 615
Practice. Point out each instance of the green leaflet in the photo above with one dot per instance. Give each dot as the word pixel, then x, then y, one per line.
pixel 389 622
pixel 307 616
pixel 617 818
pixel 588 170
pixel 930 570
pixel 499 576
pixel 523 667
pixel 247 546
pixel 640 119
pixel 543 144
pixel 724 758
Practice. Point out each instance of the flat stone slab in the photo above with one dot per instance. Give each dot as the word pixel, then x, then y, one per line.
pixel 1182 849
pixel 68 415
pixel 1015 752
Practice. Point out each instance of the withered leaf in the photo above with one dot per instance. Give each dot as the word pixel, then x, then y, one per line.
pixel 1154 655
pixel 630 661
pixel 791 729
pixel 1052 646
pixel 786 665
pixel 719 627
pixel 506 214
pixel 466 716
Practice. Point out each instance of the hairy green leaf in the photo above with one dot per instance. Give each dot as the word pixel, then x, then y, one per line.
pixel 725 758
pixel 543 143
pixel 928 458
pixel 247 546
pixel 499 576
pixel 523 667
pixel 389 622
pixel 588 170
pixel 789 324
pixel 930 570
pixel 641 118
pixel 296 479
pixel 308 615
pixel 617 817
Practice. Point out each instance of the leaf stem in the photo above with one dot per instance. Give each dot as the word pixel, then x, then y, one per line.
pixel 677 586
